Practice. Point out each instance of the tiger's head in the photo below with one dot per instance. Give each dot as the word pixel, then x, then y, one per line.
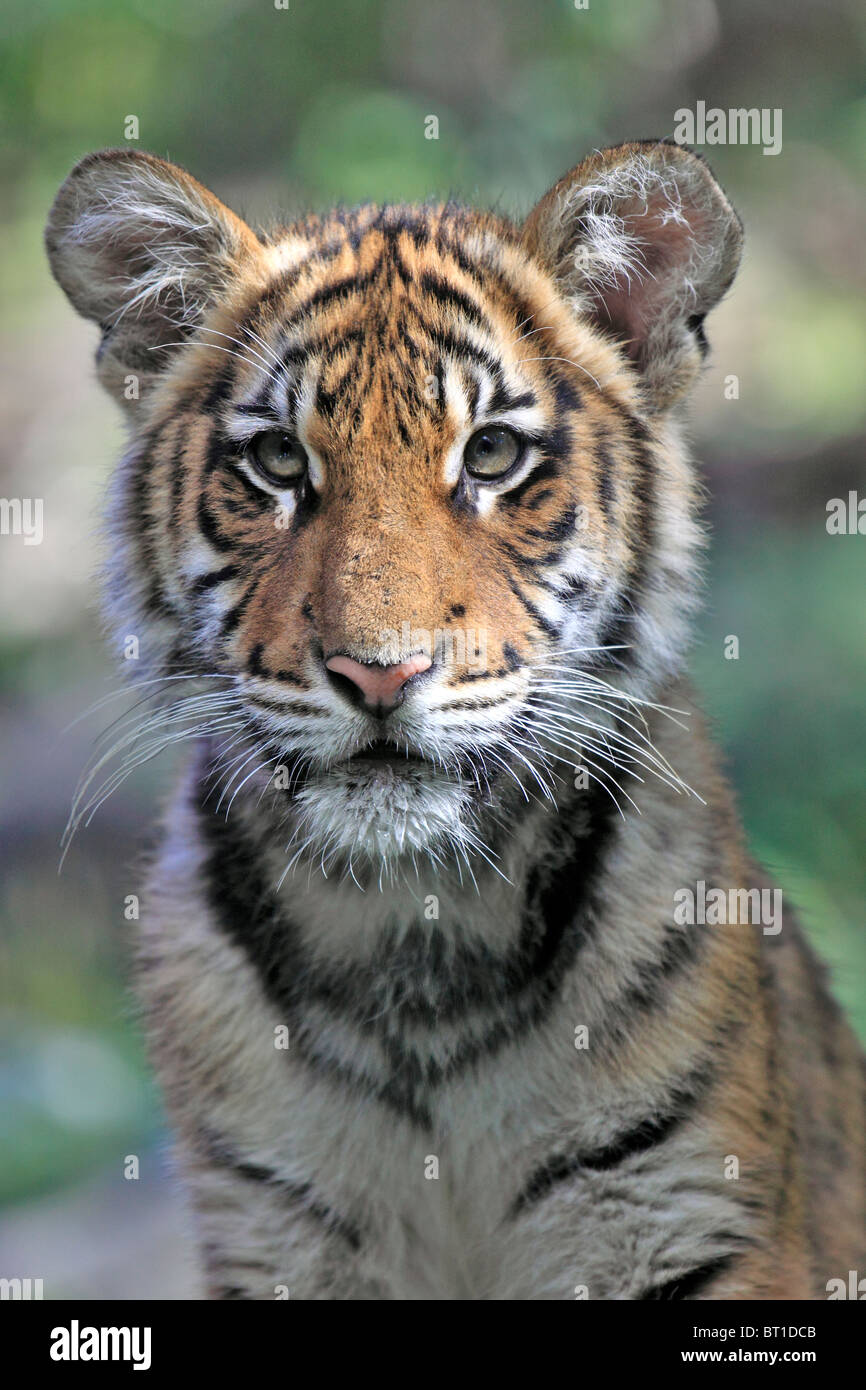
pixel 404 484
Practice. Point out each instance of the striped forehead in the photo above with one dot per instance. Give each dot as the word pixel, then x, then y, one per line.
pixel 400 326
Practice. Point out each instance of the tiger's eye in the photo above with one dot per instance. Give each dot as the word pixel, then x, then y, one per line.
pixel 491 452
pixel 278 456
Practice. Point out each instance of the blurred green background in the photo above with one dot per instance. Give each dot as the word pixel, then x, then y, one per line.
pixel 283 110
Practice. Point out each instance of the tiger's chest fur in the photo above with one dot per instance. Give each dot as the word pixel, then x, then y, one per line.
pixel 462 1025
pixel 409 535
pixel 525 1092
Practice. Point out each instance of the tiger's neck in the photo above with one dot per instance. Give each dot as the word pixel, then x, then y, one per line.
pixel 421 979
pixel 521 902
pixel 426 976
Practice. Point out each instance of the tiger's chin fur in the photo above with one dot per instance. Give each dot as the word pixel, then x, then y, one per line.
pixel 407 540
pixel 387 813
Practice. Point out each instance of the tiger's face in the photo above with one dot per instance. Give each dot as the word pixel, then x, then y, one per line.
pixel 404 482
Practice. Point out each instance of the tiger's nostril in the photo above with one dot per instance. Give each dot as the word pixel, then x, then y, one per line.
pixel 380 687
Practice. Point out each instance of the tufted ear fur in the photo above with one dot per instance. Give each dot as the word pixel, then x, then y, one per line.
pixel 642 238
pixel 143 250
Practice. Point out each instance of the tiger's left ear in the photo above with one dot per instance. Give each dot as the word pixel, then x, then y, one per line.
pixel 643 240
pixel 142 249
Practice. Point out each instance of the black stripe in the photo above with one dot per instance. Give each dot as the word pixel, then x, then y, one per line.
pixel 644 489
pixel 503 399
pixel 454 298
pixel 640 1139
pixel 568 398
pixel 220 388
pixel 300 1193
pixel 326 400
pixel 534 503
pixel 559 530
pixel 448 341
pixel 447 242
pixel 204 582
pixel 289 677
pixel 139 524
pixel 618 628
pixel 208 524
pixel 295 707
pixel 325 295
pixel 606 471
pixel 486 274
pixel 542 473
pixel 474 391
pixel 330 344
pixel 531 565
pixel 467 677
pixel 551 629
pixel 513 659
pixel 476 704
pixel 255 665
pixel 256 493
pixel 403 431
pixel 234 615
pixel 253 320
pixel 681 948
pixel 177 475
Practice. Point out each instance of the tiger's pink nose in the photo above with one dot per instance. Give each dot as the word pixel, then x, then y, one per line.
pixel 381 686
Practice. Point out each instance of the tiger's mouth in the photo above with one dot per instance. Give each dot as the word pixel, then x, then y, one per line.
pixel 383 752
pixel 384 757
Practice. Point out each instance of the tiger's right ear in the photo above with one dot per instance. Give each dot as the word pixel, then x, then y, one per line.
pixel 642 239
pixel 143 250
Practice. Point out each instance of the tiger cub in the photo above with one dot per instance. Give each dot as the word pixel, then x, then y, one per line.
pixel 458 979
